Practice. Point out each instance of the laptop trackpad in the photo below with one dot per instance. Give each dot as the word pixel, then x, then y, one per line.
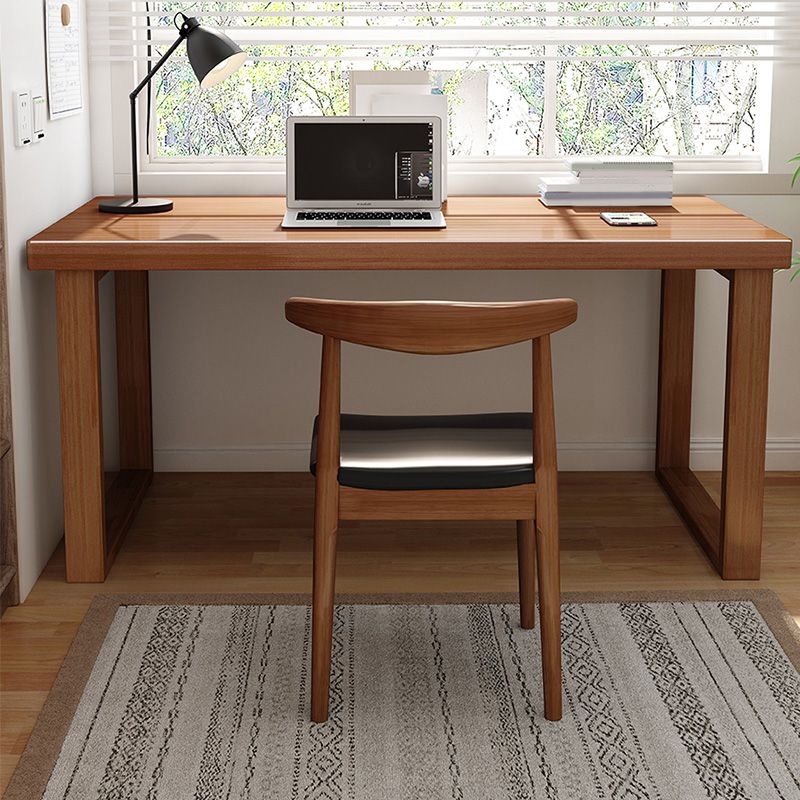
pixel 365 223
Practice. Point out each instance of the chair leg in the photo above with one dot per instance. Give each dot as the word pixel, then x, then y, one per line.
pixel 526 563
pixel 547 550
pixel 322 618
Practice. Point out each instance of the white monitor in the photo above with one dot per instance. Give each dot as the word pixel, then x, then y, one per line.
pixel 363 162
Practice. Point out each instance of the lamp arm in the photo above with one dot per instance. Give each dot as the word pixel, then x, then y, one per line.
pixel 133 95
pixel 160 63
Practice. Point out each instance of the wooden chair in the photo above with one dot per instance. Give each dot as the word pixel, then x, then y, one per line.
pixel 467 467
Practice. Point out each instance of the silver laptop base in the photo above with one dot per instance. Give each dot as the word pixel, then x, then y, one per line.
pixel 359 218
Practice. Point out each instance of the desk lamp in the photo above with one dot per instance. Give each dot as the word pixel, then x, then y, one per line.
pixel 213 57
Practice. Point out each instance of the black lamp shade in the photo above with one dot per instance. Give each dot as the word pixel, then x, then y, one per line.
pixel 213 55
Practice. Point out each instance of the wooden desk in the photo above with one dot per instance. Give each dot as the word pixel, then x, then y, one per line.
pixel 235 233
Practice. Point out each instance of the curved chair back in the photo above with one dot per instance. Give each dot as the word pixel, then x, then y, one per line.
pixel 431 327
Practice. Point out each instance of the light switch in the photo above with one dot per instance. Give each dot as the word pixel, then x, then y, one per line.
pixel 39 112
pixel 23 119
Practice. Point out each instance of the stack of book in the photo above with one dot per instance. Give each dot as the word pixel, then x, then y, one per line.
pixel 610 182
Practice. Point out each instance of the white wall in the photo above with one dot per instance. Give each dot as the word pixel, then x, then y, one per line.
pixel 235 385
pixel 781 212
pixel 42 183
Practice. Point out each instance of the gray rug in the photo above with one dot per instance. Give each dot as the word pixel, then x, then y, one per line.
pixel 669 701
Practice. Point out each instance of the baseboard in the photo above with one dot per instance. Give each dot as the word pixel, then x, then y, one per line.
pixel 783 453
pixel 279 457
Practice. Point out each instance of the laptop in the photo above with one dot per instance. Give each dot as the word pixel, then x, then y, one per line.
pixel 363 172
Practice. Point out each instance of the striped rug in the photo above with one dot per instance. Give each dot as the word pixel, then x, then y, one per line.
pixel 680 700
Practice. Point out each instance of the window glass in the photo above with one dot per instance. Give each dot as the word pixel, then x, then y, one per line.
pixel 625 97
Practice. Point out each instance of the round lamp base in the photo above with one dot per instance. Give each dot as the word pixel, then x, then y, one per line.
pixel 144 205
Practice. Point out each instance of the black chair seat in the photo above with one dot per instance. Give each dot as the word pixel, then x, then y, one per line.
pixel 468 451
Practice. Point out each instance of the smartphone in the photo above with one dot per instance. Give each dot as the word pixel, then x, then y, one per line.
pixel 627 218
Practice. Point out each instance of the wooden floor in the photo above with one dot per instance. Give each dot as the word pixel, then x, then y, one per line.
pixel 252 533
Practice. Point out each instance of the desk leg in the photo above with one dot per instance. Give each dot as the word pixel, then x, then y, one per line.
pixel 730 535
pixel 673 427
pixel 81 424
pixel 125 493
pixel 749 317
pixel 676 357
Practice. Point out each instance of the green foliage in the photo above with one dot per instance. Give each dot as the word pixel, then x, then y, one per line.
pixel 246 115
pixel 616 106
pixel 796 175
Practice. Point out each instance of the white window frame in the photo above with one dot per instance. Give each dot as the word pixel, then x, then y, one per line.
pixel 110 83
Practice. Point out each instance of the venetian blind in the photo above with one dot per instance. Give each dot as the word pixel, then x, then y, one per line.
pixel 459 33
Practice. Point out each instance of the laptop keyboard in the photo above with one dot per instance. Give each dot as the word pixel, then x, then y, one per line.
pixel 362 215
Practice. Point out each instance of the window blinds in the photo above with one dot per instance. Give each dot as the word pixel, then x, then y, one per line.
pixel 460 34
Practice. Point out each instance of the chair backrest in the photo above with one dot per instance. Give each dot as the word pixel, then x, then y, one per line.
pixel 432 327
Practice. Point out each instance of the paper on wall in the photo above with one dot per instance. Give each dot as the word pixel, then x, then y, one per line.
pixel 64 44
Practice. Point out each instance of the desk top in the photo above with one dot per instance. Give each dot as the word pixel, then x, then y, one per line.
pixel 231 233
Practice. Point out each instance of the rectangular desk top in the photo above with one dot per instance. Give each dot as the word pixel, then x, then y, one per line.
pixel 232 233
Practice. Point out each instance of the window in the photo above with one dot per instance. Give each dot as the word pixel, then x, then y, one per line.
pixel 705 80
pixel 523 79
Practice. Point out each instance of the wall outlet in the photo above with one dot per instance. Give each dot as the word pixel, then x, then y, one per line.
pixel 39 114
pixel 23 119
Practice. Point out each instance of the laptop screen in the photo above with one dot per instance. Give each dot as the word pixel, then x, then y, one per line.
pixel 363 161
